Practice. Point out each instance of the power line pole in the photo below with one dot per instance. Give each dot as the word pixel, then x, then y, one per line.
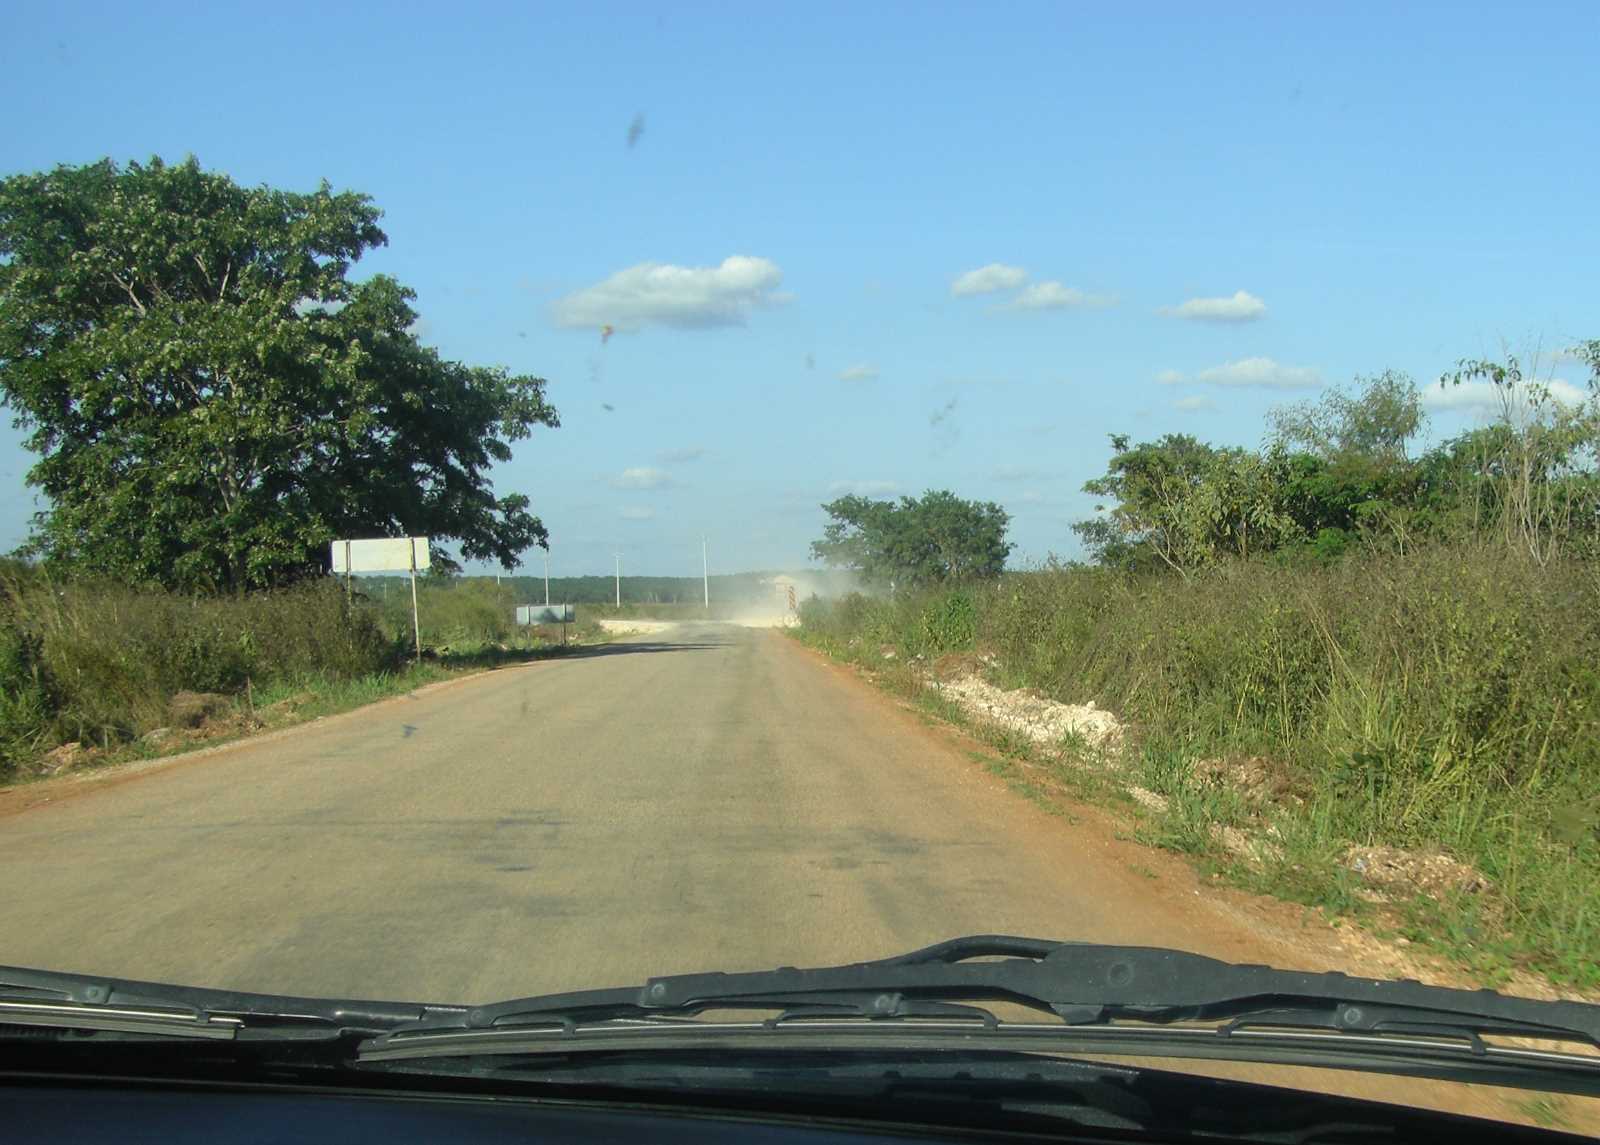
pixel 705 573
pixel 547 577
pixel 619 579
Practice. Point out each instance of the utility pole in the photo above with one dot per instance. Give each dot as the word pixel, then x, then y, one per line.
pixel 619 580
pixel 705 573
pixel 547 578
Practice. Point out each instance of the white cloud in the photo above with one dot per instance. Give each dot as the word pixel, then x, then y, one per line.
pixel 688 297
pixel 1031 497
pixel 1169 377
pixel 1242 307
pixel 1052 295
pixel 636 512
pixel 1263 373
pixel 642 477
pixel 864 488
pixel 679 456
pixel 861 372
pixel 989 279
pixel 1485 397
pixel 1194 403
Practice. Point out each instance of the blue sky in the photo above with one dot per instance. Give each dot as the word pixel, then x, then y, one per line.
pixel 1335 190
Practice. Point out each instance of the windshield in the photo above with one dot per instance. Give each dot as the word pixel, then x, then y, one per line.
pixel 531 499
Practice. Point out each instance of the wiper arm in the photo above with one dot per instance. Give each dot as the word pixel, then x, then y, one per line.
pixel 82 1002
pixel 1080 983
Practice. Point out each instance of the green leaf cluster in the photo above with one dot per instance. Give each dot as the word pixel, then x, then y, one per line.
pixel 212 399
pixel 917 540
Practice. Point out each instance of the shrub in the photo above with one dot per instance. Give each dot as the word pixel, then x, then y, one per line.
pixel 1441 697
pixel 100 661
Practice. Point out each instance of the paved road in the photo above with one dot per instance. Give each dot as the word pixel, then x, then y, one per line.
pixel 713 797
pixel 709 798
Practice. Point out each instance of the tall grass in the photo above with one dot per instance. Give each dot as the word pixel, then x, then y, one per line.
pixel 100 662
pixel 1445 699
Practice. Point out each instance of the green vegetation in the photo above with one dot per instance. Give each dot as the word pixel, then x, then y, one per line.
pixel 919 540
pixel 123 671
pixel 1429 683
pixel 99 664
pixel 1335 475
pixel 211 398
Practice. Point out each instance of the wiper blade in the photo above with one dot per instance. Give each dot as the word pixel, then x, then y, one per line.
pixel 1080 983
pixel 70 1002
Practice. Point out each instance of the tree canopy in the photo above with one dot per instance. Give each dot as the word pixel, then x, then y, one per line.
pixel 917 540
pixel 1338 471
pixel 211 397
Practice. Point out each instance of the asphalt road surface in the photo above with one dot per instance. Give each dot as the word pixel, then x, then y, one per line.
pixel 712 797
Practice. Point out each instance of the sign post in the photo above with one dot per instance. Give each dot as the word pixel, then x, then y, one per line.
pixel 416 619
pixel 384 554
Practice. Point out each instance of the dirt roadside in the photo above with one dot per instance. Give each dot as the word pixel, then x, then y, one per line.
pixel 1261 928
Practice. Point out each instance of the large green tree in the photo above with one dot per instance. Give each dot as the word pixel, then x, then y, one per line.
pixel 917 540
pixel 211 397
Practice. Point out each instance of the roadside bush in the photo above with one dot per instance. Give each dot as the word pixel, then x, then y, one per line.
pixel 452 612
pixel 1446 697
pixel 98 661
pixel 26 702
pixel 949 622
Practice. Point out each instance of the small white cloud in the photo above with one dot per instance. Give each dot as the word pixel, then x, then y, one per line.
pixel 636 512
pixel 1241 307
pixel 642 477
pixel 996 276
pixel 1263 373
pixel 1169 377
pixel 1031 497
pixel 1485 397
pixel 861 372
pixel 679 456
pixel 688 297
pixel 1194 403
pixel 1052 295
pixel 864 488
pixel 1011 472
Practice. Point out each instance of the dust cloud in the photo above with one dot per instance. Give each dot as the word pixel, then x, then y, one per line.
pixel 789 591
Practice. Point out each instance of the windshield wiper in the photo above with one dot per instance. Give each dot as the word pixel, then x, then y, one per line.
pixel 77 1002
pixel 1078 982
pixel 1085 987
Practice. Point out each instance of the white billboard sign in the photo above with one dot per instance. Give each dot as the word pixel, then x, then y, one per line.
pixel 382 554
pixel 546 614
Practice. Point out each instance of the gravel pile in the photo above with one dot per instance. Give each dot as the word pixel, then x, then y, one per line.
pixel 1041 720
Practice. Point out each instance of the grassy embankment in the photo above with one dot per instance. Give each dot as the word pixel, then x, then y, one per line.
pixel 124 673
pixel 1446 701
